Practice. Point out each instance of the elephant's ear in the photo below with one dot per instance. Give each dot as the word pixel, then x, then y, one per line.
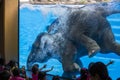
pixel 37 42
pixel 43 43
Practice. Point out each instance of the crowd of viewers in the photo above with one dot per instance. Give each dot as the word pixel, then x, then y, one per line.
pixel 10 71
pixel 95 71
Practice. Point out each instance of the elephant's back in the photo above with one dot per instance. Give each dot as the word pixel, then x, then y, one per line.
pixel 83 22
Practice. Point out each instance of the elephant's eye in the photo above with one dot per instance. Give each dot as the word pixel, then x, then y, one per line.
pixel 49 54
pixel 38 48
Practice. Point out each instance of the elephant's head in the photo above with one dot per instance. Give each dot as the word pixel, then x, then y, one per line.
pixel 38 53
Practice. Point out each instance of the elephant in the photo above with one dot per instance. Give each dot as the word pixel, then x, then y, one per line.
pixel 82 31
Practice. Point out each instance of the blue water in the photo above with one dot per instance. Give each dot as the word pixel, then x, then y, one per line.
pixel 34 19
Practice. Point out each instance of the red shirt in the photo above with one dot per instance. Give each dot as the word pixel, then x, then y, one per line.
pixel 17 78
pixel 1 68
pixel 34 76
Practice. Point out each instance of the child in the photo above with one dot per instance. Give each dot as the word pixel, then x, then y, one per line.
pixel 23 72
pixel 16 75
pixel 36 70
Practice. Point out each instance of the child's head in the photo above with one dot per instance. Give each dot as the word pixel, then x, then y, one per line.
pixel 5 75
pixel 35 69
pixel 12 64
pixel 98 71
pixel 16 72
pixel 22 70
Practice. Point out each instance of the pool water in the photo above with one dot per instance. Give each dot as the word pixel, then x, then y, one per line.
pixel 34 19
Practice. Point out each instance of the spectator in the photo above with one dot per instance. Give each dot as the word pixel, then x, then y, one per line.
pixel 35 70
pixel 90 65
pixel 118 78
pixel 2 64
pixel 16 75
pixel 110 62
pixel 98 71
pixel 84 74
pixel 23 72
pixel 12 64
pixel 5 75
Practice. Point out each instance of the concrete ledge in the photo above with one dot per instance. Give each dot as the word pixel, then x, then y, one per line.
pixel 57 2
pixel 50 3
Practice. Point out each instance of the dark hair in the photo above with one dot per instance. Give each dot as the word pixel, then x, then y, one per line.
pixel 11 64
pixel 5 75
pixel 118 78
pixel 56 78
pixel 100 69
pixel 2 61
pixel 84 74
pixel 35 69
pixel 41 75
pixel 90 64
pixel 16 72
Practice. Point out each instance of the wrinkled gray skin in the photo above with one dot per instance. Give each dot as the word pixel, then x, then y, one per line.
pixel 85 31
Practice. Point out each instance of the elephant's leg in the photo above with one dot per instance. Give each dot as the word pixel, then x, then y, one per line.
pixel 108 42
pixel 89 43
pixel 68 63
pixel 69 75
pixel 68 58
pixel 74 69
pixel 116 48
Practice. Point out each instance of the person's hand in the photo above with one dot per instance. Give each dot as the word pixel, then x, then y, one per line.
pixel 111 62
pixel 45 66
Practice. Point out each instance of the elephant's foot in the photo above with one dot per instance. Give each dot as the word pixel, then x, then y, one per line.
pixel 74 67
pixel 93 50
pixel 90 44
pixel 75 70
pixel 116 48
